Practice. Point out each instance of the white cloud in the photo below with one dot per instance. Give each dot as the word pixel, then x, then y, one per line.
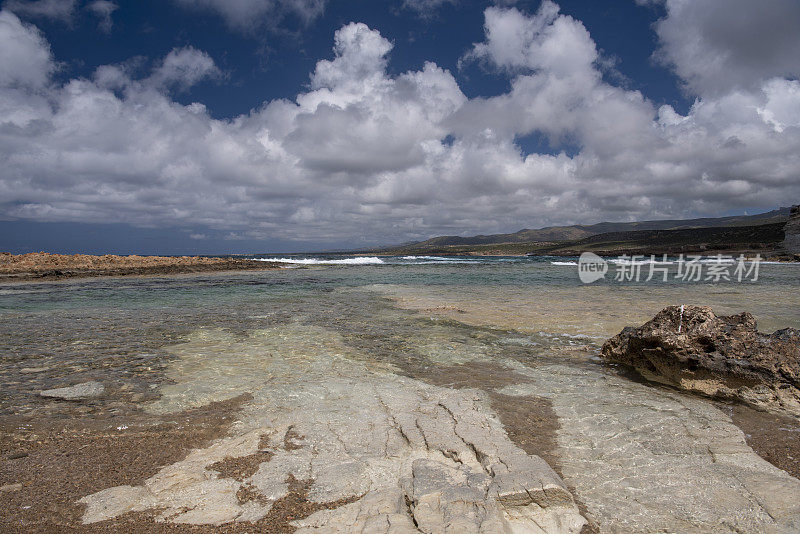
pixel 356 120
pixel 720 45
pixel 543 41
pixel 782 106
pixel 359 60
pixel 25 60
pixel 183 68
pixel 557 88
pixel 361 154
pixel 103 10
pixel 53 9
pixel 247 15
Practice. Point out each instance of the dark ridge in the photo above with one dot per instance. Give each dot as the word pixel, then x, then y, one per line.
pixel 559 234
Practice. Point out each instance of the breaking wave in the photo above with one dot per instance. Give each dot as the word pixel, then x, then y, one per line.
pixel 367 260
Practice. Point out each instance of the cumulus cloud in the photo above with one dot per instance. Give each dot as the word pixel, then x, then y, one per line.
pixel 52 9
pixel 364 155
pixel 25 60
pixel 183 68
pixel 247 15
pixel 719 45
pixel 543 41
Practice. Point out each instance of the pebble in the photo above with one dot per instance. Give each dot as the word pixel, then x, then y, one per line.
pixel 27 370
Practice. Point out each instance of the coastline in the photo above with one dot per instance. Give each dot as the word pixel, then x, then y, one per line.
pixel 42 266
pixel 769 255
pixel 768 240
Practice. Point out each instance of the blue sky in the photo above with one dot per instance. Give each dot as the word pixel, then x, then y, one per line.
pixel 214 126
pixel 265 64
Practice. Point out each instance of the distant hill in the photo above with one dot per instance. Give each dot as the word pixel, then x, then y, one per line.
pixel 574 233
pixel 761 238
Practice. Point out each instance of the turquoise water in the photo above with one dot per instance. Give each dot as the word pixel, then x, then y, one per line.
pixel 317 347
pixel 414 313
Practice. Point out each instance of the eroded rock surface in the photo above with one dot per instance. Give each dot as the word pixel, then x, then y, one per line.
pixel 653 460
pixel 723 356
pixel 397 455
pixel 405 456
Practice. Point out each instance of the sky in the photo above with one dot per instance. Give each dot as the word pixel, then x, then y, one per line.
pixel 223 126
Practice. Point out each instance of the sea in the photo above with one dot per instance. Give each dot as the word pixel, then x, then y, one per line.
pixel 411 311
pixel 520 336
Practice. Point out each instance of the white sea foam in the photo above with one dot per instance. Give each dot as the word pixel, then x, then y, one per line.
pixel 435 260
pixel 367 260
pixel 716 260
pixel 444 262
pixel 563 263
pixel 621 261
pixel 431 258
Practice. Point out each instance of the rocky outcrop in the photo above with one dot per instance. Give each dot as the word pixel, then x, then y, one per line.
pixel 721 356
pixel 44 266
pixel 792 232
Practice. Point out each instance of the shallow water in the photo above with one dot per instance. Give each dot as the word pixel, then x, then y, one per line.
pixel 164 344
pixel 406 314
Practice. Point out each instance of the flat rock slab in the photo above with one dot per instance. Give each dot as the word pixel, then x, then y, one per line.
pixel 404 456
pixel 87 390
pixel 652 460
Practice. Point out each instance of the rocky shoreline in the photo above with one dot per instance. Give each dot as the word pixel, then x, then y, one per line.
pixel 45 266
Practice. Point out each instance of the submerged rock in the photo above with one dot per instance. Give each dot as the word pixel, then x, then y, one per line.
pixel 87 390
pixel 722 356
pixel 379 452
pixel 648 460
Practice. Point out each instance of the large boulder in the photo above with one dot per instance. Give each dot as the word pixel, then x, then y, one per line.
pixel 693 349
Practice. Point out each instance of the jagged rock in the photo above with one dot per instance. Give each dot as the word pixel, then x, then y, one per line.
pixel 721 356
pixel 87 390
pixel 791 241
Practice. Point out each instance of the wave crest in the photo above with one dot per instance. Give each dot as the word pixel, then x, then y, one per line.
pixel 367 260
